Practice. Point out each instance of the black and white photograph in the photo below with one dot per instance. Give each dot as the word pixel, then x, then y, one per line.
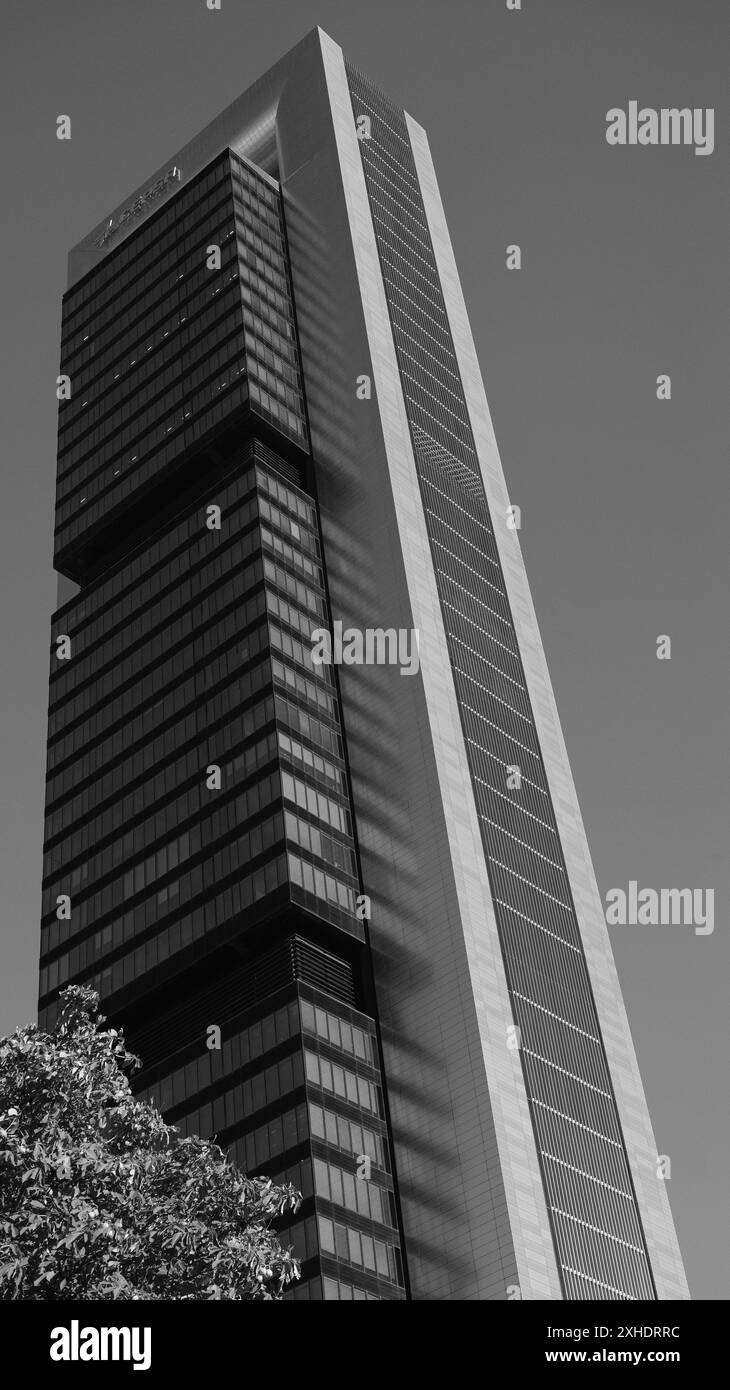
pixel 364 620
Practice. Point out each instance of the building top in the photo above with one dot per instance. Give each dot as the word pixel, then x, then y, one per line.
pixel 248 126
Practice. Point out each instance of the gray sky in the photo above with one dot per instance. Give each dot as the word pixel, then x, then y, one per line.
pixel 624 499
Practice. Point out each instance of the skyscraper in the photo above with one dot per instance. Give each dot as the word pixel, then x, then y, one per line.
pixel 374 882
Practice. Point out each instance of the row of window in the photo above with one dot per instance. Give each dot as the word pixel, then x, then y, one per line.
pixel 319 734
pixel 255 186
pixel 113 782
pixel 260 315
pixel 280 361
pixel 349 1135
pixel 168 857
pixel 108 379
pixel 239 852
pixel 340 1081
pixel 241 1101
pixel 218 911
pixel 285 1131
pixel 278 415
pixel 190 362
pixel 292 556
pixel 167 621
pixel 304 1291
pixel 170 896
pixel 259 205
pixel 236 1051
pixel 312 763
pixel 152 755
pixel 313 841
pixel 335 1030
pixel 356 1248
pixel 217 821
pixel 177 353
pixel 322 885
pixel 316 803
pixel 230 400
pixel 269 380
pixel 303 623
pixel 109 351
pixel 191 575
pixel 287 526
pixel 153 238
pixel 272 345
pixel 141 567
pixel 266 289
pixel 202 642
pixel 222 674
pixel 163 298
pixel 259 1038
pixel 264 262
pixel 269 1140
pixel 299 652
pixel 363 1197
pixel 340 1289
pixel 168 416
pixel 286 497
pixel 294 588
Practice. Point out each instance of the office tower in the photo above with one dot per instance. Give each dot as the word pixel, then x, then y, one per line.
pixel 375 882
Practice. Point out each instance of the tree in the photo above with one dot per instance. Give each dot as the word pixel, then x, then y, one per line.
pixel 100 1199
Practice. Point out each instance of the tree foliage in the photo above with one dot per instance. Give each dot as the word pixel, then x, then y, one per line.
pixel 100 1199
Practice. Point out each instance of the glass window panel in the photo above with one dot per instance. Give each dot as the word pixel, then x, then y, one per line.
pixel 330 1121
pixel 326 1235
pixel 368 1252
pixel 348 1188
pixel 276 1137
pixel 341 1245
pixel 336 1185
pixel 338 1076
pixel 321 1178
pixel 291 1135
pixel 316 1120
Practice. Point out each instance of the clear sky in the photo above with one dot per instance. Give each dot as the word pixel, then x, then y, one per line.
pixel 624 499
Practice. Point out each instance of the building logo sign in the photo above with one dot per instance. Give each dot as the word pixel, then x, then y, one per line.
pixel 140 204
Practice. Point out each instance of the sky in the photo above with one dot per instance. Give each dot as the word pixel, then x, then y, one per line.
pixel 624 498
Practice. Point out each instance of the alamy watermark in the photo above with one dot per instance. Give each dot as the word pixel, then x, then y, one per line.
pixel 372 646
pixel 78 1343
pixel 671 907
pixel 668 126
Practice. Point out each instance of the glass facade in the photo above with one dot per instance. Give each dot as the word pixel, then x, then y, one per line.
pixel 186 325
pixel 595 1222
pixel 199 853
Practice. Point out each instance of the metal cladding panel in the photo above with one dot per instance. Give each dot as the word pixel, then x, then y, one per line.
pixel 658 1228
pixel 471 1193
pixel 587 1180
